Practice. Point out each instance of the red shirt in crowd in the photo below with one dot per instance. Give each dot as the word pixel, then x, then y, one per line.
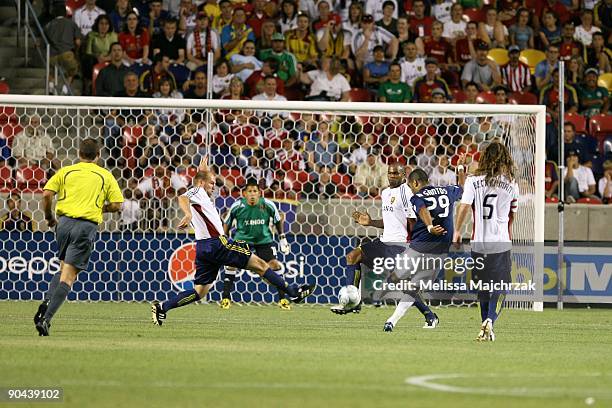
pixel 134 44
pixel 440 50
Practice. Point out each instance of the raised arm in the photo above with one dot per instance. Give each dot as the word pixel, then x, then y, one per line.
pixel 365 220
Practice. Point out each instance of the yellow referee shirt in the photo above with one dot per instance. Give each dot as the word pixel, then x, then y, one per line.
pixel 82 189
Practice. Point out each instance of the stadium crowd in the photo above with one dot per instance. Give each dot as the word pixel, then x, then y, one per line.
pixel 468 51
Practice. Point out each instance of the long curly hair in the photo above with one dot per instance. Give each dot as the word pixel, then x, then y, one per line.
pixel 495 162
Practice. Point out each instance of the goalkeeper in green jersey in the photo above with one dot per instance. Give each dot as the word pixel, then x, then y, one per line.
pixel 252 215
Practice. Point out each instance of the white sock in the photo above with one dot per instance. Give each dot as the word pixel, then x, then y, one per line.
pixel 400 311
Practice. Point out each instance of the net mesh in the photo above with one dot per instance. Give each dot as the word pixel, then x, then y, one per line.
pixel 317 166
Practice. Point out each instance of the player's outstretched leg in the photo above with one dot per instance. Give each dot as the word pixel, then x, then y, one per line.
pixel 228 285
pixel 353 277
pixel 400 310
pixel 159 310
pixel 57 296
pixel 42 308
pixel 296 293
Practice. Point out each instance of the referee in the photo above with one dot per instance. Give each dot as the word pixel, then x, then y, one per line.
pixel 84 191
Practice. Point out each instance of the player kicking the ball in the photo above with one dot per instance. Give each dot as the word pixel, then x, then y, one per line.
pixel 252 215
pixel 213 249
pixel 396 213
pixel 492 194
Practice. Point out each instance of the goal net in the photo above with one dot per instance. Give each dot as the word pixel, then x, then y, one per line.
pixel 317 161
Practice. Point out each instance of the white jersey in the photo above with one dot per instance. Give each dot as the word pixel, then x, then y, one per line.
pixel 396 210
pixel 411 70
pixel 205 218
pixel 491 208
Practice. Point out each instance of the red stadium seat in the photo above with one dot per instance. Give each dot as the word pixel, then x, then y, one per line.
pixel 474 14
pixel 72 6
pixel 552 200
pixel 31 178
pixel 458 96
pixel 578 120
pixel 360 95
pixel 586 200
pixel 4 88
pixel 600 126
pixel 523 98
pixel 487 97
pixel 6 179
pixel 342 182
pixel 96 71
pixel 7 115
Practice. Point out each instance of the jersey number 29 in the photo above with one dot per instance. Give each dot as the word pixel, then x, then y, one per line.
pixel 441 201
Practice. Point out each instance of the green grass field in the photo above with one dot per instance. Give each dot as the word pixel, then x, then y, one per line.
pixel 259 356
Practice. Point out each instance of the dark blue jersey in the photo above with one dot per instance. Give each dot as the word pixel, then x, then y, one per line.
pixel 440 202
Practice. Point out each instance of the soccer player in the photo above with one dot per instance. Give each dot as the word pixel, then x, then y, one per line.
pixel 492 195
pixel 85 191
pixel 396 212
pixel 431 234
pixel 214 249
pixel 252 215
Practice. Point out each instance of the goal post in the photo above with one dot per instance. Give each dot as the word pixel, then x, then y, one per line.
pixel 314 180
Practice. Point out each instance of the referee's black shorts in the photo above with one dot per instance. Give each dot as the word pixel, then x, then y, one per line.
pixel 75 240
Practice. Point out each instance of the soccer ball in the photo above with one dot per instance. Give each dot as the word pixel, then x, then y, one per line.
pixel 349 296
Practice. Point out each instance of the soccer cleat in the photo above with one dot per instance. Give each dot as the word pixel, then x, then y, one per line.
pixel 303 292
pixel 341 310
pixel 388 327
pixel 432 323
pixel 40 313
pixel 486 331
pixel 43 327
pixel 225 304
pixel 284 304
pixel 157 314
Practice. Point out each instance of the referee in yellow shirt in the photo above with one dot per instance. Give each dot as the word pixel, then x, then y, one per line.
pixel 84 192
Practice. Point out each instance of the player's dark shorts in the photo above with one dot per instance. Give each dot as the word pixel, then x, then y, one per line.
pixel 377 249
pixel 75 240
pixel 213 253
pixel 267 252
pixel 497 267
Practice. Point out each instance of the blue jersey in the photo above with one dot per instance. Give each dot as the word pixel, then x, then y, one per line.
pixel 440 202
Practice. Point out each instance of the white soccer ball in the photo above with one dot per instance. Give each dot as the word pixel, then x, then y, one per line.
pixel 349 296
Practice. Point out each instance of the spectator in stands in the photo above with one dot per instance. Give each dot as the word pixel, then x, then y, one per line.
pixel 438 47
pixel 15 219
pixel 420 24
pixel 235 34
pixel 569 47
pixel 157 15
pixel 438 96
pixel 225 17
pixel 578 179
pixel 369 37
pixel 33 147
pixel 388 22
pixel 196 89
pixel 427 159
pixel 441 10
pixel 413 66
pixel 302 43
pixel 424 86
pixel 131 88
pixel 150 152
pixel 276 134
pixel 493 31
pixel 325 14
pixel 245 63
pixel 334 41
pixel 255 81
pixel 169 43
pixel 359 151
pixel 173 8
pixel 549 95
pixel 327 83
pixel 593 98
pixel 603 13
pixel 465 47
pixel 85 16
pixel 501 95
pixel 605 183
pixel 151 78
pixel 394 90
pixel 572 143
pixel 98 48
pixel 377 71
pixel 598 55
pixel 515 74
pixel 159 190
pixel 551 179
pixel 320 185
pixel 131 214
pixel 371 176
pixel 322 150
pixel 288 158
pixel 110 79
pixel 288 16
pixel 352 21
pixel 286 61
pixel 134 41
pixel 471 92
pixel 441 175
pixel 482 70
pixel 455 28
pixel 187 17
pixel 584 32
pixel 521 34
pixel 550 32
pixel 119 15
pixel 64 37
pixel 268 29
pixel 404 36
pixel 166 90
pixel 269 94
pixel 200 42
pixel 574 71
pixel 221 78
pixel 544 69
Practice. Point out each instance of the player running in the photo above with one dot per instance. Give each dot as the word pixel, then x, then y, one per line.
pixel 430 236
pixel 396 213
pixel 214 249
pixel 252 215
pixel 492 194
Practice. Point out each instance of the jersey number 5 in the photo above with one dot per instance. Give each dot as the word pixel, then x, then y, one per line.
pixel 487 206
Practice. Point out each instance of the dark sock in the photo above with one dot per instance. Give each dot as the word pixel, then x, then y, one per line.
pixel 52 286
pixel 279 282
pixel 495 305
pixel 57 299
pixel 420 304
pixel 182 299
pixel 353 275
pixel 483 300
pixel 228 285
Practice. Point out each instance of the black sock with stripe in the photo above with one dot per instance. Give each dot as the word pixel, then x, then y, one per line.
pixel 279 282
pixel 182 299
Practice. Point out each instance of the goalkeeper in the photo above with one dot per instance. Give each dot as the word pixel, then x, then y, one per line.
pixel 252 214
